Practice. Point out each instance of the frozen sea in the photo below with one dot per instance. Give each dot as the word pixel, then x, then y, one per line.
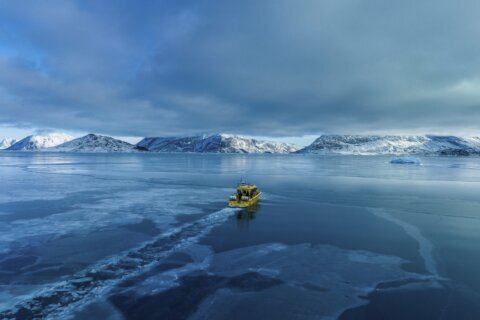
pixel 149 236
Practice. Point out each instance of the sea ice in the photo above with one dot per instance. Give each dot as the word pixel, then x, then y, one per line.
pixel 315 279
pixel 79 291
pixel 425 246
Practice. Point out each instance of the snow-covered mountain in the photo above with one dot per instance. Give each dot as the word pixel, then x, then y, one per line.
pixel 6 143
pixel 95 143
pixel 215 143
pixel 376 144
pixel 38 142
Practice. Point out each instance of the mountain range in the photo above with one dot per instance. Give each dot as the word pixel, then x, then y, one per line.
pixel 225 143
pixel 95 143
pixel 38 142
pixel 394 145
pixel 216 143
pixel 6 143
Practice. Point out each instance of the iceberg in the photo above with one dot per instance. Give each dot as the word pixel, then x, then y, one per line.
pixel 405 160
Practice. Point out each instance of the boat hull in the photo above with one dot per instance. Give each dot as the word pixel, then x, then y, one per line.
pixel 244 203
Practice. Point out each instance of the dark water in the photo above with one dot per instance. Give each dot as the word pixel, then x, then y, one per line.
pixel 148 236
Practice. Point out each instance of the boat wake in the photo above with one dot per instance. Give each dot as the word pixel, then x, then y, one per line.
pixel 97 280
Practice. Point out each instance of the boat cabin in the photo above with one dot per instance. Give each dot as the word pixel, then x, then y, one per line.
pixel 246 195
pixel 245 192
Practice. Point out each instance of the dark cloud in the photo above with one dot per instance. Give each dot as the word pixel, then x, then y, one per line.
pixel 275 67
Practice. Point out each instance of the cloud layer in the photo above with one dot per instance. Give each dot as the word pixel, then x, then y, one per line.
pixel 273 67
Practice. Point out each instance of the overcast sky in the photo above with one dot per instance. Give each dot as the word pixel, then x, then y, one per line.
pixel 278 68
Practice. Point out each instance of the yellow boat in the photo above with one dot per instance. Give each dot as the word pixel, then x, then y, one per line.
pixel 247 195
